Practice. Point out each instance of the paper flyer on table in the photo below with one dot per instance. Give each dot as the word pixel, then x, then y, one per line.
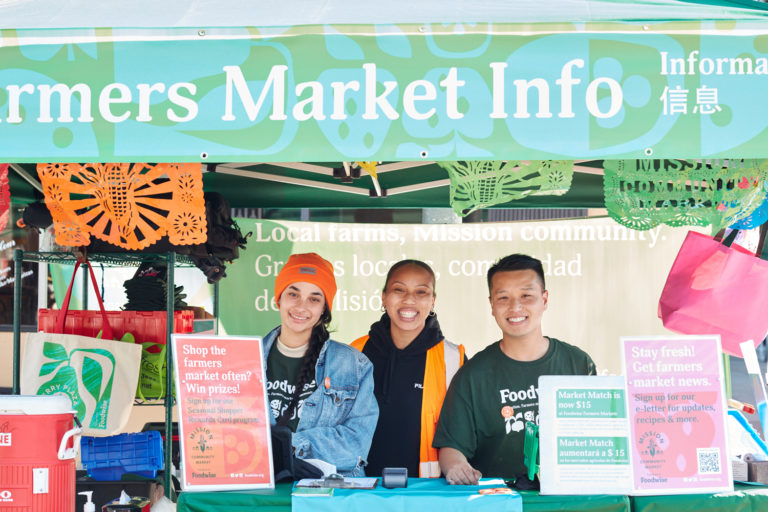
pixel 584 435
pixel 347 483
pixel 676 407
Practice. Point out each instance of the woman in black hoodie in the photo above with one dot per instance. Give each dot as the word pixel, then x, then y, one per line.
pixel 412 367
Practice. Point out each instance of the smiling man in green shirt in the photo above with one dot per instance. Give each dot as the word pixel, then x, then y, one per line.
pixel 481 430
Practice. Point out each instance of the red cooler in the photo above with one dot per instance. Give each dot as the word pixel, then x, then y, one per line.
pixel 37 454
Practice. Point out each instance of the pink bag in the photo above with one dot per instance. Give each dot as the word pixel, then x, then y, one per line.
pixel 716 289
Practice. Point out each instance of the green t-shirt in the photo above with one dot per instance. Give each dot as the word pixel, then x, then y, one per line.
pixel 282 374
pixel 491 398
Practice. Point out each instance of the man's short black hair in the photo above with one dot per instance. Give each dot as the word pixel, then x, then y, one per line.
pixel 517 262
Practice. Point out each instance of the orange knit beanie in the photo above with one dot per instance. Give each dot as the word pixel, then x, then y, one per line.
pixel 307 268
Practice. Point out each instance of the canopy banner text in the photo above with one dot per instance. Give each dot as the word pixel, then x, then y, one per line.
pixel 688 89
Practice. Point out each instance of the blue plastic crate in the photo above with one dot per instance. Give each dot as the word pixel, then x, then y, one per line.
pixel 108 458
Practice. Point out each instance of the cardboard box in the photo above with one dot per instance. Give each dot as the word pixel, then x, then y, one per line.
pixel 200 313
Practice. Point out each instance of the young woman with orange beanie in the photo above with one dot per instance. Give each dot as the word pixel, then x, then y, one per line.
pixel 321 389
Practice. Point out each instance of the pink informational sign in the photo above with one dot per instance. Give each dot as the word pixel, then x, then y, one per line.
pixel 223 415
pixel 676 408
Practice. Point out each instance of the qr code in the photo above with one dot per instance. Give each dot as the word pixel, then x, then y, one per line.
pixel 708 460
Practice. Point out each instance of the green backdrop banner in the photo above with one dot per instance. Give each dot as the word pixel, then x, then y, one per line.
pixel 683 89
pixel 594 297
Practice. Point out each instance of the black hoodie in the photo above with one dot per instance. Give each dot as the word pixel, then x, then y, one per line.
pixel 398 377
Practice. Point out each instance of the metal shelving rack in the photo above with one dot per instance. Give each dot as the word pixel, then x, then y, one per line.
pixel 111 259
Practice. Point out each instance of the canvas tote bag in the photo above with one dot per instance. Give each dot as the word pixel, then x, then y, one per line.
pixel 99 375
pixel 716 288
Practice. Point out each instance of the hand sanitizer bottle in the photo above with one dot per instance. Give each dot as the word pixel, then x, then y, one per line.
pixel 89 505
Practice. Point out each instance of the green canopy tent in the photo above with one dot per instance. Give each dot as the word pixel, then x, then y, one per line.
pixel 245 88
pixel 290 185
pixel 410 186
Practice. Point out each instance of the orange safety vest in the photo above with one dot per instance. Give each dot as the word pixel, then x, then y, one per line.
pixel 443 361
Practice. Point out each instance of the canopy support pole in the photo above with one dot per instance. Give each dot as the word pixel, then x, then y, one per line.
pixel 27 177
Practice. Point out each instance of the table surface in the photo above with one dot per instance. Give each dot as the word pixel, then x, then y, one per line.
pixel 422 494
pixel 745 498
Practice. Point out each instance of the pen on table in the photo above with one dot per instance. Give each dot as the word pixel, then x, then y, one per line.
pixel 749 409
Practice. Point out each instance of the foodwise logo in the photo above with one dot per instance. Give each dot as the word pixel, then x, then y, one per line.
pixel 510 396
pixel 524 407
pixel 5 439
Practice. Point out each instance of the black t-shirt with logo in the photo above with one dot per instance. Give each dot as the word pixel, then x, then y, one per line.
pixel 282 374
pixel 491 398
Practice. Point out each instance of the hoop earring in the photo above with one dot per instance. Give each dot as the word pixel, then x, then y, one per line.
pixel 432 313
pixel 383 309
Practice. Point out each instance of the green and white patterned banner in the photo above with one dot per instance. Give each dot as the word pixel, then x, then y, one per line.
pixel 684 89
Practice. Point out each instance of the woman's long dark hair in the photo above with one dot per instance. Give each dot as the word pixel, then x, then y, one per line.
pixel 307 372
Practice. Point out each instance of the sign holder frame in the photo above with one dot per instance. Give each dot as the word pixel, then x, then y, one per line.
pixel 255 418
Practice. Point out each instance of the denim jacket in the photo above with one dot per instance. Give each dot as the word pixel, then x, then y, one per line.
pixel 336 424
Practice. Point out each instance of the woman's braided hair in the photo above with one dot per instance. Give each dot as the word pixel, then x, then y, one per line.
pixel 307 372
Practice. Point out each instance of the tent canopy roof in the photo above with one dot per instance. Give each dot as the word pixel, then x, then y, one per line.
pixel 312 185
pixel 57 14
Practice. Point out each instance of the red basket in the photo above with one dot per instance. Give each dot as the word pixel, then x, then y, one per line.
pixel 144 325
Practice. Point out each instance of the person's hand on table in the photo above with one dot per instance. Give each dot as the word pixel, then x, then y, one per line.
pixel 456 468
pixel 462 473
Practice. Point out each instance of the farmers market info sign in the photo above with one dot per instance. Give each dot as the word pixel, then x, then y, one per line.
pixel 584 435
pixel 223 415
pixel 676 407
pixel 385 92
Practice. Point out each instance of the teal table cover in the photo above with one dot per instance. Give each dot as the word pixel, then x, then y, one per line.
pixel 422 494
